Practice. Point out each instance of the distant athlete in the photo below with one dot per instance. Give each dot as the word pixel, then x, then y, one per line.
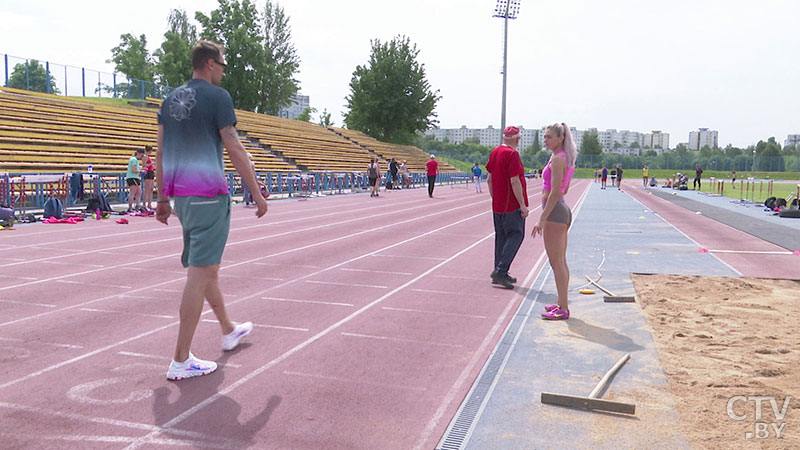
pixel 195 121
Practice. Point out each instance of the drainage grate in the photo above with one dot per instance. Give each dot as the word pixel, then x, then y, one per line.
pixel 458 432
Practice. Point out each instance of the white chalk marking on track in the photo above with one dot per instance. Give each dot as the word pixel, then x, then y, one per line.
pixel 385 272
pixel 191 411
pixel 179 291
pixel 411 341
pixel 158 316
pixel 113 422
pixel 753 252
pixel 459 277
pixel 94 284
pixel 59 263
pixel 459 294
pixel 315 302
pixel 411 257
pixel 261 325
pixel 435 313
pixel 44 305
pixel 287 265
pixel 354 381
pixel 146 297
pixel 40 343
pixel 347 284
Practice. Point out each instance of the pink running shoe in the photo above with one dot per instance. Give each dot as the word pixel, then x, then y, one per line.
pixel 550 307
pixel 556 314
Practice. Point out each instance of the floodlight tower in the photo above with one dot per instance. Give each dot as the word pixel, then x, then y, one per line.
pixel 505 9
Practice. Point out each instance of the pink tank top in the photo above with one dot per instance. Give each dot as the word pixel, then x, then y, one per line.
pixel 546 177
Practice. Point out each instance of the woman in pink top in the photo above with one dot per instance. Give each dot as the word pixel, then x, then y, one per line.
pixel 556 216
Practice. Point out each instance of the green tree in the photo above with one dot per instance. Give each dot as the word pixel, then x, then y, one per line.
pixel 32 78
pixel 682 150
pixel 390 99
pixel 280 61
pixel 305 116
pixel 132 58
pixel 325 119
pixel 635 145
pixel 535 147
pixel 174 57
pixel 590 145
pixel 236 25
pixel 651 153
pixel 790 150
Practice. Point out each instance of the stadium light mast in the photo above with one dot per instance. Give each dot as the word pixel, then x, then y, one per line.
pixel 505 9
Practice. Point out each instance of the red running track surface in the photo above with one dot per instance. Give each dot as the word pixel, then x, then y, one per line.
pixel 373 317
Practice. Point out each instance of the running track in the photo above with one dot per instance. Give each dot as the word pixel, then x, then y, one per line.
pixel 373 318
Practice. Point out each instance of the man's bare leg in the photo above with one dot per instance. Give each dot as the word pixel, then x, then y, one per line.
pixel 197 282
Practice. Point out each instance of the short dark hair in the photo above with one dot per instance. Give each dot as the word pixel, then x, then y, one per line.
pixel 148 148
pixel 205 50
pixel 139 150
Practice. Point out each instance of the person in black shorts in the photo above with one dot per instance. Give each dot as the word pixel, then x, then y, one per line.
pixel 619 177
pixel 374 175
pixel 133 181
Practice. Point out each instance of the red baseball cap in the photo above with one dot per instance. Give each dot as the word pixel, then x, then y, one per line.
pixel 511 132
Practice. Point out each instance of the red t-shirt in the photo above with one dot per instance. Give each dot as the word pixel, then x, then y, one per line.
pixel 432 166
pixel 505 163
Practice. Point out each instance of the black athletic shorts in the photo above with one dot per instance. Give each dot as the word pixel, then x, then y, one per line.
pixel 149 175
pixel 134 182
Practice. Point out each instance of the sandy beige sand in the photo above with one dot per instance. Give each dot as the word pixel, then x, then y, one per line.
pixel 724 337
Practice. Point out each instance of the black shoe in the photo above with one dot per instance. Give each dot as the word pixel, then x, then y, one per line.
pixel 510 278
pixel 502 279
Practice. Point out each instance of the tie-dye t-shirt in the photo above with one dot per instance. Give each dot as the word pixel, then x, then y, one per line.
pixel 192 116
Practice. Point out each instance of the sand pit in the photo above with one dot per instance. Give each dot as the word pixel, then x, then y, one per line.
pixel 719 338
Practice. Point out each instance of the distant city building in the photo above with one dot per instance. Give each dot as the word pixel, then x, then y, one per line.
pixel 792 139
pixel 612 141
pixel 656 140
pixel 299 104
pixel 702 137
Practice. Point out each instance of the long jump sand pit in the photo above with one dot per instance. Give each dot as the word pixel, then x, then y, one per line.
pixel 727 345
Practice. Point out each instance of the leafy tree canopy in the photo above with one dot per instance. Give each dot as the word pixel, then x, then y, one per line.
pixel 590 144
pixel 34 77
pixel 132 58
pixel 174 66
pixel 390 99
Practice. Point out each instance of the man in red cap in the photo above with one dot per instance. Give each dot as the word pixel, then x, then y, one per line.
pixel 506 181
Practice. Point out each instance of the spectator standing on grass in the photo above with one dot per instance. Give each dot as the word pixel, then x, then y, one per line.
pixel 194 122
pixel 477 173
pixel 697 172
pixel 733 177
pixel 507 188
pixel 556 217
pixel 433 170
pixel 133 181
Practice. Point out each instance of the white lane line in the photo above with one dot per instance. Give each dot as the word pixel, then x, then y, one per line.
pixel 199 406
pixel 179 291
pixel 458 277
pixel 59 263
pixel 377 271
pixel 167 358
pixel 394 339
pixel 753 252
pixel 347 284
pixel 158 316
pixel 436 313
pixel 40 343
pixel 354 381
pixel 412 257
pixel 250 277
pixel 146 297
pixel 260 325
pixel 287 265
pixel 315 302
pixel 15 302
pixel 459 294
pixel 21 278
pixel 94 284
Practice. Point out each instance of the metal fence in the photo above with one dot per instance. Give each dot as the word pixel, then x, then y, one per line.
pixel 24 73
pixel 672 161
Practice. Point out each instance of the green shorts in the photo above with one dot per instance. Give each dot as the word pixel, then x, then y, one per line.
pixel 206 222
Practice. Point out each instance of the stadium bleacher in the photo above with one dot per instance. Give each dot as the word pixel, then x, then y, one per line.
pixel 415 158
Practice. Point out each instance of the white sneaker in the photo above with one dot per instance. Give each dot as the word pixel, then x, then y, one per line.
pixel 231 340
pixel 192 367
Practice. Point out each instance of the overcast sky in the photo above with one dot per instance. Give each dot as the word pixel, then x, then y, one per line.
pixel 640 65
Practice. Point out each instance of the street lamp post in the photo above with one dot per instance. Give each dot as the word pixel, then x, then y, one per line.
pixel 505 9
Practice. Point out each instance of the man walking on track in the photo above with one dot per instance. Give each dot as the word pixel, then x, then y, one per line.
pixel 433 170
pixel 507 187
pixel 195 121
